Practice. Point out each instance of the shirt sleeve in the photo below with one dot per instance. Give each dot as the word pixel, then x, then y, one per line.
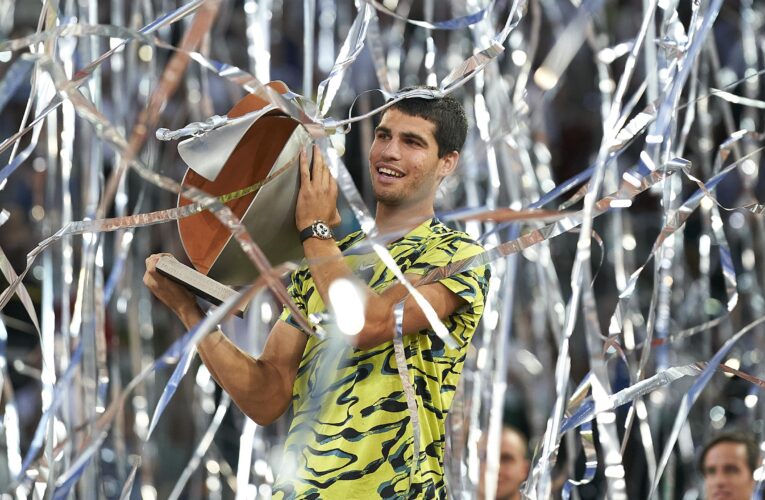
pixel 470 285
pixel 467 284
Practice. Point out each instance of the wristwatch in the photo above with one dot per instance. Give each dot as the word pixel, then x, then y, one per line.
pixel 319 229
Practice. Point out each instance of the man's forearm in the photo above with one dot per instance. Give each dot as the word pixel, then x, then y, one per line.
pixel 257 387
pixel 327 265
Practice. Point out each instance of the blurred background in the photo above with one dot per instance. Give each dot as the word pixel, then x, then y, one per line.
pixel 674 271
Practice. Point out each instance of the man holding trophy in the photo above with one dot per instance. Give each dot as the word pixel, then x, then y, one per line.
pixel 352 433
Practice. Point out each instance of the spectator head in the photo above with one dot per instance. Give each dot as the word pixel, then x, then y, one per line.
pixel 728 463
pixel 513 465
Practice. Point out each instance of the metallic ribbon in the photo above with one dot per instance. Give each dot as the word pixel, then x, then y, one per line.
pixel 505 152
pixel 450 24
pixel 402 365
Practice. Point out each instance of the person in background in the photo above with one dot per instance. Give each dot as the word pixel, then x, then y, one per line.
pixel 513 465
pixel 728 463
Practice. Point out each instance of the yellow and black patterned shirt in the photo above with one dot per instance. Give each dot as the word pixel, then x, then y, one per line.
pixel 351 435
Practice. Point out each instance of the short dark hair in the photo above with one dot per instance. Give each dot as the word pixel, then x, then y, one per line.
pixel 737 437
pixel 446 113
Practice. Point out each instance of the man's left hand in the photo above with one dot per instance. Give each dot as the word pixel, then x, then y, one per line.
pixel 317 198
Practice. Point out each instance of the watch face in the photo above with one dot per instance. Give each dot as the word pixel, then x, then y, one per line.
pixel 322 230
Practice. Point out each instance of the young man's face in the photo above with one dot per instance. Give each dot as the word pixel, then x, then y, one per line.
pixel 403 161
pixel 726 473
pixel 513 465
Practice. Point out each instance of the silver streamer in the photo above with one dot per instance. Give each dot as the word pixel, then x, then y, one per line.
pixel 636 126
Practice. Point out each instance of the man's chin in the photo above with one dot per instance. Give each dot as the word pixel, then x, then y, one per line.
pixel 504 493
pixel 390 199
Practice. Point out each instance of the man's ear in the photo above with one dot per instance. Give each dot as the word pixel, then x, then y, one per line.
pixel 447 164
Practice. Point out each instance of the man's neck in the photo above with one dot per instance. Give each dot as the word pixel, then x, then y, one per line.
pixel 401 219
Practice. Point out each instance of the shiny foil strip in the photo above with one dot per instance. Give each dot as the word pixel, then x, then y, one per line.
pixel 450 24
pixel 240 234
pixel 180 352
pixel 685 295
pixel 402 365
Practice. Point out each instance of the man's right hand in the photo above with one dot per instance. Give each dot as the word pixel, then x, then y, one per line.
pixel 180 300
pixel 261 387
pixel 317 197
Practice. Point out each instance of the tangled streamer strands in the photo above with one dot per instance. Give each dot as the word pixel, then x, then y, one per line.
pixel 611 174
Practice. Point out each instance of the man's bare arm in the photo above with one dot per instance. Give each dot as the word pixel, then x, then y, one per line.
pixel 379 321
pixel 261 387
pixel 317 200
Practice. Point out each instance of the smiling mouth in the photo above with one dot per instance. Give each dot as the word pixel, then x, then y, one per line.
pixel 719 494
pixel 387 172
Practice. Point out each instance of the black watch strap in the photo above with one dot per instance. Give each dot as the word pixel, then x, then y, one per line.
pixel 319 229
pixel 306 233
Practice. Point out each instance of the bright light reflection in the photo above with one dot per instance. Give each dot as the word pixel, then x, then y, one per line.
pixel 631 179
pixel 759 474
pixel 145 53
pixel 607 417
pixel 732 363
pixel 148 492
pixel 614 471
pixel 717 223
pixel 530 362
pixel 705 244
pixel 737 220
pixel 607 55
pixel 749 167
pixel 213 467
pixel 212 483
pixel 657 398
pixel 261 467
pixel 621 203
pixel 142 420
pixel 717 413
pixel 747 259
pixel 349 303
pixel 607 85
pixel 641 410
pixel 266 313
pixel 628 242
pixel 545 78
pixel 265 491
pixel 519 57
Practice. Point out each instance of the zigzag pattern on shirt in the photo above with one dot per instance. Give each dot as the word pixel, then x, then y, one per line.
pixel 351 435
